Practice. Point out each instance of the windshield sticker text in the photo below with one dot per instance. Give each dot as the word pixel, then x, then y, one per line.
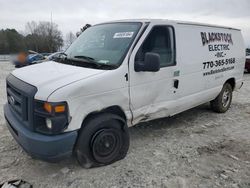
pixel 123 35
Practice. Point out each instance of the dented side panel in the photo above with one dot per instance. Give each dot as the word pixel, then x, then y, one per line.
pixel 95 94
pixel 152 94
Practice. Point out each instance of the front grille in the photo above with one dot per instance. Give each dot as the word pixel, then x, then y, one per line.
pixel 18 102
pixel 20 96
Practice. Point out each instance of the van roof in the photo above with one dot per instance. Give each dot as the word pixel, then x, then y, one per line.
pixel 174 21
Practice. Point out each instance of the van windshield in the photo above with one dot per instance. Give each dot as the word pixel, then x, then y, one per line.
pixel 104 44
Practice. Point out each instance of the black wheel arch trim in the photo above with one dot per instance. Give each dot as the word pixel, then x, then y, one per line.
pixel 232 82
pixel 114 110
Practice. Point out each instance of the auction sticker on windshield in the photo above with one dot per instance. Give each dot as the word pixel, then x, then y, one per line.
pixel 123 35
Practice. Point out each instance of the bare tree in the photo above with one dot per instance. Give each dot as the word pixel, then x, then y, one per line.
pixel 45 36
pixel 30 28
pixel 70 38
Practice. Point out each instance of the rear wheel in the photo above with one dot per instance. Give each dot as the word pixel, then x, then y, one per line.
pixel 223 101
pixel 103 140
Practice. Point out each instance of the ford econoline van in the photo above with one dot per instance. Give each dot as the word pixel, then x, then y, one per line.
pixel 116 75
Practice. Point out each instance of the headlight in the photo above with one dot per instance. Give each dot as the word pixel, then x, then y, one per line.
pixel 51 117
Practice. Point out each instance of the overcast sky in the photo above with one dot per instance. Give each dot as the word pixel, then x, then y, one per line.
pixel 70 15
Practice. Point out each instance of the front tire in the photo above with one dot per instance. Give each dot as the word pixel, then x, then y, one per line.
pixel 223 101
pixel 103 140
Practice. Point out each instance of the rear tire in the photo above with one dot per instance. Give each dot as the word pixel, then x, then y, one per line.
pixel 223 101
pixel 103 140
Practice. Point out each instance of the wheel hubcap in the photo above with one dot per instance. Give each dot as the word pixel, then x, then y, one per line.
pixel 105 145
pixel 226 97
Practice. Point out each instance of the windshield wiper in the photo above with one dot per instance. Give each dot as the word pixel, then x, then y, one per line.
pixel 83 61
pixel 84 57
pixel 91 60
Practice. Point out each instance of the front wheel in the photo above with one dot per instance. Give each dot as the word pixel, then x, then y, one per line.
pixel 223 101
pixel 103 140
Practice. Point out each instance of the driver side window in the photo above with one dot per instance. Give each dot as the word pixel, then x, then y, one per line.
pixel 161 41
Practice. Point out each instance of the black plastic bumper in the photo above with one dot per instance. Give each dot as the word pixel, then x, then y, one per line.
pixel 48 148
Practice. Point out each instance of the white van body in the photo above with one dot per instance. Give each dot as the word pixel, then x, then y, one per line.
pixel 204 58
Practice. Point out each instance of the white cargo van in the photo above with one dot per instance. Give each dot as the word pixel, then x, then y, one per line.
pixel 116 75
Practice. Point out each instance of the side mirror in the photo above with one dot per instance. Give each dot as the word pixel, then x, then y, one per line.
pixel 151 63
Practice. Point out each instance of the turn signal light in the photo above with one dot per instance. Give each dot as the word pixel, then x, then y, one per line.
pixel 58 109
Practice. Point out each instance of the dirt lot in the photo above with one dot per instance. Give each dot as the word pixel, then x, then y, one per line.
pixel 197 148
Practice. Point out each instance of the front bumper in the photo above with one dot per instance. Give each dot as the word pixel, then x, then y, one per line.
pixel 48 148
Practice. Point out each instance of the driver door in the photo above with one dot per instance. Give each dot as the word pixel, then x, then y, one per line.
pixel 153 94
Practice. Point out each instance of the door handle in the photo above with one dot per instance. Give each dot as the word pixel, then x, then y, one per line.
pixel 176 84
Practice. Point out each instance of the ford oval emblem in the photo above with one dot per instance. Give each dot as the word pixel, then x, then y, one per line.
pixel 12 100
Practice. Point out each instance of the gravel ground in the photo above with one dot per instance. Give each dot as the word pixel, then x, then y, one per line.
pixel 197 148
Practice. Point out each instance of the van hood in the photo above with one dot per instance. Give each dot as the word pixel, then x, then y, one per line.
pixel 50 76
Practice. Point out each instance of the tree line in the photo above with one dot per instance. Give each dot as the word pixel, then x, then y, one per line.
pixel 39 37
